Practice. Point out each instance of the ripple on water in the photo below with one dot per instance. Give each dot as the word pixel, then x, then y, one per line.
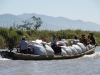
pixel 86 65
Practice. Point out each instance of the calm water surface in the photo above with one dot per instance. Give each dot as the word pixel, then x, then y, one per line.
pixel 86 65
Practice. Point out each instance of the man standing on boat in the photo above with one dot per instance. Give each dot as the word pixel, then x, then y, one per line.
pixel 23 46
pixel 57 49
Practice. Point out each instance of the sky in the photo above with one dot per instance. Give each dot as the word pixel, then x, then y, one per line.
pixel 86 10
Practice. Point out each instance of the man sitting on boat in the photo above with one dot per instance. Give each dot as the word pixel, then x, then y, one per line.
pixel 83 39
pixel 76 40
pixel 92 39
pixel 88 39
pixel 23 46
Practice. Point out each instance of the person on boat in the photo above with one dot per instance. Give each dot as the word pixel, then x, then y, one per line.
pixel 83 39
pixel 54 46
pixel 92 39
pixel 76 40
pixel 23 46
pixel 43 39
pixel 88 40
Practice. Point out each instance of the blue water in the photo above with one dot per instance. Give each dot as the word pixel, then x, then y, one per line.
pixel 86 65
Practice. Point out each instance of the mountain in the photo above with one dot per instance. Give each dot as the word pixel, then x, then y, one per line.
pixel 7 20
pixel 49 22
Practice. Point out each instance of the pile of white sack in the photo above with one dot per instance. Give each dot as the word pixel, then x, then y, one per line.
pixel 42 48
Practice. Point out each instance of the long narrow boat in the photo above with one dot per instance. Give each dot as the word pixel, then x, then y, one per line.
pixel 42 52
pixel 43 57
pixel 21 56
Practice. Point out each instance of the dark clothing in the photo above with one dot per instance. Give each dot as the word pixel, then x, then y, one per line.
pixel 10 47
pixel 83 40
pixel 24 51
pixel 92 40
pixel 56 49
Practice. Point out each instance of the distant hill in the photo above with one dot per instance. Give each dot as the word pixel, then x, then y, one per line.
pixel 7 20
pixel 49 22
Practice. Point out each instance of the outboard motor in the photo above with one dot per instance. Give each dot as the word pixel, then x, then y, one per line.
pixel 10 47
pixel 8 55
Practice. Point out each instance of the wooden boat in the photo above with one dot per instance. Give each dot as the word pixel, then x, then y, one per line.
pixel 43 57
pixel 42 52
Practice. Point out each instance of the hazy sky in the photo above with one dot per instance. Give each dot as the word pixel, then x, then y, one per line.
pixel 86 10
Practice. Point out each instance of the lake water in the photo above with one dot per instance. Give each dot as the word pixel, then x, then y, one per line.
pixel 86 65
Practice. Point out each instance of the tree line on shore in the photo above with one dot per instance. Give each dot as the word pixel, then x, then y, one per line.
pixel 13 36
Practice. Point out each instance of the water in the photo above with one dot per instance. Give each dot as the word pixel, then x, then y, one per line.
pixel 86 65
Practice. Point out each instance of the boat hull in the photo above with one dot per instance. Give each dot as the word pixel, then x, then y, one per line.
pixel 21 56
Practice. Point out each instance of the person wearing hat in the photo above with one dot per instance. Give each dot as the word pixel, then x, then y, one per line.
pixel 23 46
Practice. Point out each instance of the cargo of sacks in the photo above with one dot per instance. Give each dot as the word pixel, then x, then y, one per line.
pixel 42 51
pixel 42 48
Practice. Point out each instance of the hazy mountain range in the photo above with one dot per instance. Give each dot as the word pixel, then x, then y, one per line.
pixel 49 22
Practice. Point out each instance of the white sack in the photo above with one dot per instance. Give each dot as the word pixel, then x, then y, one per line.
pixel 49 50
pixel 39 49
pixel 62 43
pixel 77 48
pixel 82 46
pixel 63 52
pixel 88 47
pixel 38 41
pixel 74 51
pixel 67 49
